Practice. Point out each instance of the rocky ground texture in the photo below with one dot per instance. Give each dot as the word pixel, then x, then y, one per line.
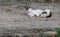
pixel 15 23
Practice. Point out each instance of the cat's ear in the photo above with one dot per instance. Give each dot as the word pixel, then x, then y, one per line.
pixel 27 7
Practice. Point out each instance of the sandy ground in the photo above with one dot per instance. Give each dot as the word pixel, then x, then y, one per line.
pixel 17 18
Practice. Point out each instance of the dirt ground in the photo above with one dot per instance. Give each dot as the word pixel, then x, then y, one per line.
pixel 16 18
